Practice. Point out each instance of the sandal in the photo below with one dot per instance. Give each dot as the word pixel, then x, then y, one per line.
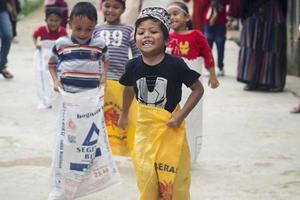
pixel 6 74
pixel 296 109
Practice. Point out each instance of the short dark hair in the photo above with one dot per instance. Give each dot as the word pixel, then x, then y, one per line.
pixel 53 10
pixel 162 27
pixel 120 1
pixel 84 9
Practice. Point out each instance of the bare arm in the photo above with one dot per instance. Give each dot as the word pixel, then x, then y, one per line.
pixel 56 83
pixel 104 71
pixel 195 96
pixel 36 42
pixel 128 95
pixel 213 80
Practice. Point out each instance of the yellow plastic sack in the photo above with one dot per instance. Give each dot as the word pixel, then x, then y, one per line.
pixel 161 156
pixel 121 142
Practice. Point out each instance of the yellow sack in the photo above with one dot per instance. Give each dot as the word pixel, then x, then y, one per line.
pixel 161 156
pixel 121 142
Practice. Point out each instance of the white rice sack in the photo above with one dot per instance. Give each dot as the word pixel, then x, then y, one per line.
pixel 82 161
pixel 194 121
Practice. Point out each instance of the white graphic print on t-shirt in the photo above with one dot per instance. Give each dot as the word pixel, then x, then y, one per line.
pixel 113 38
pixel 158 97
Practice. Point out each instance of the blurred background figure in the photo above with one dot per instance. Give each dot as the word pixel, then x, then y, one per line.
pixel 197 16
pixel 7 7
pixel 62 4
pixel 44 37
pixel 214 14
pixel 262 63
pixel 297 108
pixel 132 10
pixel 14 19
pixel 209 16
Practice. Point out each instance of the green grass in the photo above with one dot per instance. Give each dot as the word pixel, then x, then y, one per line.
pixel 293 70
pixel 30 6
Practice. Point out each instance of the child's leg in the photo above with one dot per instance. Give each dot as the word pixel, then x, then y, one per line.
pixel 149 189
pixel 209 34
pixel 220 31
pixel 181 189
pixel 143 163
pixel 146 177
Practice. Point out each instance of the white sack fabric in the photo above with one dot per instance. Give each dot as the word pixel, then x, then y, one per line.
pixel 44 83
pixel 82 161
pixel 194 121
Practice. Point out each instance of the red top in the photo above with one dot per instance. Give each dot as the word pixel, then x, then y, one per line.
pixel 207 9
pixel 198 19
pixel 45 34
pixel 192 46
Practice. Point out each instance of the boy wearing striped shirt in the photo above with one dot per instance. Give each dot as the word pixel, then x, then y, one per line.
pixel 79 62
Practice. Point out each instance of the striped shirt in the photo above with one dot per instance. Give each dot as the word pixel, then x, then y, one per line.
pixel 119 40
pixel 78 65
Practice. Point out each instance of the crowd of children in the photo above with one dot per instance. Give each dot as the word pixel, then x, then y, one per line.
pixel 97 55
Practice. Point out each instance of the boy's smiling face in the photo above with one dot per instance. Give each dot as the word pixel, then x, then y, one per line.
pixel 82 28
pixel 112 10
pixel 150 38
pixel 53 22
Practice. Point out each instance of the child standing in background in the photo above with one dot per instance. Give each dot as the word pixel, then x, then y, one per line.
pixel 63 6
pixel 120 42
pixel 75 64
pixel 44 37
pixel 189 43
pixel 160 156
pixel 52 30
pixel 118 37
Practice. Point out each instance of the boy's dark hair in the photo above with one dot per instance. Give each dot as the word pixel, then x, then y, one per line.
pixel 162 26
pixel 123 2
pixel 50 9
pixel 183 6
pixel 84 9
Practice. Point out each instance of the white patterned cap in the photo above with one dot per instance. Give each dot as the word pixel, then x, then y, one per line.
pixel 158 13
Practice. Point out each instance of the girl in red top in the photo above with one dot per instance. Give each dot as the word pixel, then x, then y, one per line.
pixel 44 38
pixel 63 6
pixel 52 30
pixel 189 43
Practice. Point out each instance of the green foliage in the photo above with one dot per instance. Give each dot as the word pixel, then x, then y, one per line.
pixel 30 6
pixel 293 69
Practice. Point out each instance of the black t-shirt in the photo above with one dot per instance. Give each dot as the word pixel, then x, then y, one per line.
pixel 159 85
pixel 3 6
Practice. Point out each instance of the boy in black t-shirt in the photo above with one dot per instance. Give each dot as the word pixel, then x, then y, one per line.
pixel 155 78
